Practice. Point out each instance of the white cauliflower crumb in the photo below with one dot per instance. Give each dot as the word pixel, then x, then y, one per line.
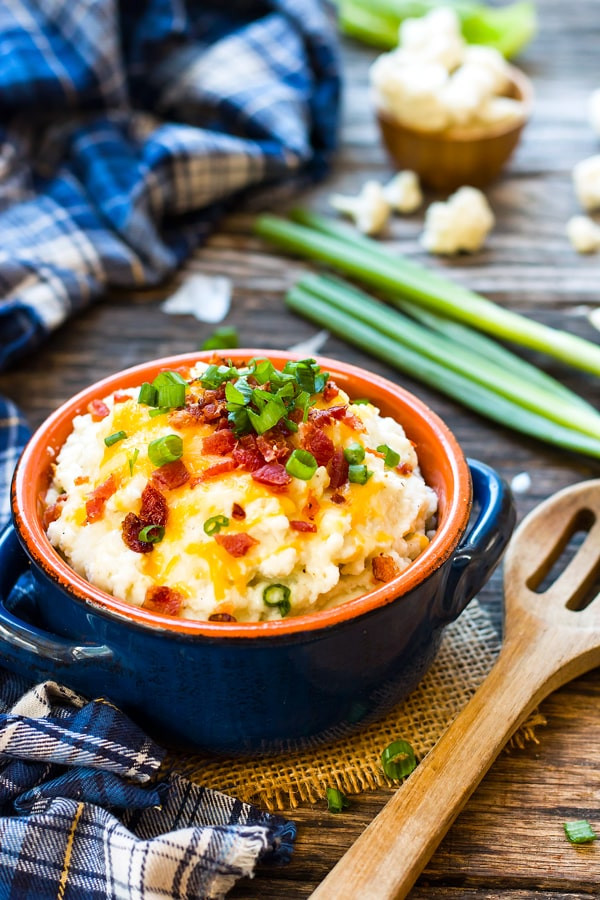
pixel 586 179
pixel 462 223
pixel 370 209
pixel 584 234
pixel 594 110
pixel 403 192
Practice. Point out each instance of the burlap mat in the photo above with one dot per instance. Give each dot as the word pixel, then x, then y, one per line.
pixel 352 764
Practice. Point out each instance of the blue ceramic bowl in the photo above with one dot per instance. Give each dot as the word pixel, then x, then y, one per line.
pixel 252 687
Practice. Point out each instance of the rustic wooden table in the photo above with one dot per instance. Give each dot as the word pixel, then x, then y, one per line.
pixel 508 843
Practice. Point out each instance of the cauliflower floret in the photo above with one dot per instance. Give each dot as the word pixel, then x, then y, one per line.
pixel 409 90
pixel 500 111
pixel 435 37
pixel 594 110
pixel 586 178
pixel 462 223
pixel 584 234
pixel 370 209
pixel 403 192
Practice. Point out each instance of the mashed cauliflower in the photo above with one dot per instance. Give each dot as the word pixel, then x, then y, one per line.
pixel 242 494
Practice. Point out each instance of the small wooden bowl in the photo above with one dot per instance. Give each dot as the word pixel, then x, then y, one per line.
pixel 448 159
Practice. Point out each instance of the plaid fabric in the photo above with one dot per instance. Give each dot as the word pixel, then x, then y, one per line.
pixel 76 821
pixel 128 128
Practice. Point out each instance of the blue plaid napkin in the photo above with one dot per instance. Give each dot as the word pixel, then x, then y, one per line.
pixel 82 813
pixel 129 127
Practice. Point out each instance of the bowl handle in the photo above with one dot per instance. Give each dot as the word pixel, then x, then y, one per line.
pixel 482 545
pixel 25 648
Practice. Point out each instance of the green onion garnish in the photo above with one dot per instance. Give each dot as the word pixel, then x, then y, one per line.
pixel 278 595
pixel 220 339
pixel 358 474
pixel 398 760
pixel 336 801
pixel 580 832
pixel 391 457
pixel 214 524
pixel 165 449
pixel 114 438
pixel 301 464
pixel 354 453
pixel 171 395
pixel 168 377
pixel 152 534
pixel 361 401
pixel 132 461
pixel 147 394
pixel 159 411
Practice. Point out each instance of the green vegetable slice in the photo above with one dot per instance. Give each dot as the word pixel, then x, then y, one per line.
pixel 114 438
pixel 278 595
pixel 152 534
pixel 580 832
pixel 214 524
pixel 336 801
pixel 398 760
pixel 301 464
pixel 165 449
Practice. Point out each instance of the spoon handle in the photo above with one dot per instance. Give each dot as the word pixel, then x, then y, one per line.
pixel 390 854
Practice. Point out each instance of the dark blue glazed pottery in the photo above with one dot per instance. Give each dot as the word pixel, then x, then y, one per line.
pixel 259 687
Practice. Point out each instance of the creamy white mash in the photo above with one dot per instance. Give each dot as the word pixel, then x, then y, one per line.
pixel 228 519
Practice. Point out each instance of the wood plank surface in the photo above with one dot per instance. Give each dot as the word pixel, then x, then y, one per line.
pixel 508 844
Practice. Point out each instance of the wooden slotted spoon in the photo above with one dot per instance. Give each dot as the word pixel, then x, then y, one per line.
pixel 550 637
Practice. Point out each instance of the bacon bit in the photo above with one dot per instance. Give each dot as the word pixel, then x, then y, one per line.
pixel 236 544
pixel 51 513
pixel 404 468
pixel 162 599
pixel 98 410
pixel 320 417
pixel 273 474
pixel 337 498
pixel 238 512
pixel 272 448
pixel 228 465
pixel 297 525
pixel 316 442
pixel 94 506
pixel 154 510
pixel 81 479
pixel 213 411
pixel 131 527
pixel 170 476
pixel 220 443
pixel 184 418
pixel 312 506
pixel 330 391
pixel 247 455
pixel 221 617
pixel 338 469
pixel 375 452
pixel 119 397
pixel 384 568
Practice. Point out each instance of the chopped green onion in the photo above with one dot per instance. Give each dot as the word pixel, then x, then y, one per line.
pixel 147 394
pixel 132 461
pixel 215 376
pixel 398 760
pixel 301 464
pixel 221 339
pixel 580 832
pixel 395 275
pixel 152 534
pixel 214 524
pixel 336 801
pixel 358 474
pixel 165 449
pixel 273 410
pixel 482 398
pixel 278 595
pixel 171 395
pixel 361 401
pixel 291 426
pixel 159 411
pixel 391 457
pixel 168 377
pixel 114 438
pixel 354 453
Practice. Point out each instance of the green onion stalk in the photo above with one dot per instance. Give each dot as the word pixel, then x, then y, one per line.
pixel 396 276
pixel 431 371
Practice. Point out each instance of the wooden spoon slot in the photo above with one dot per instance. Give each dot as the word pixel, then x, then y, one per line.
pixel 564 552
